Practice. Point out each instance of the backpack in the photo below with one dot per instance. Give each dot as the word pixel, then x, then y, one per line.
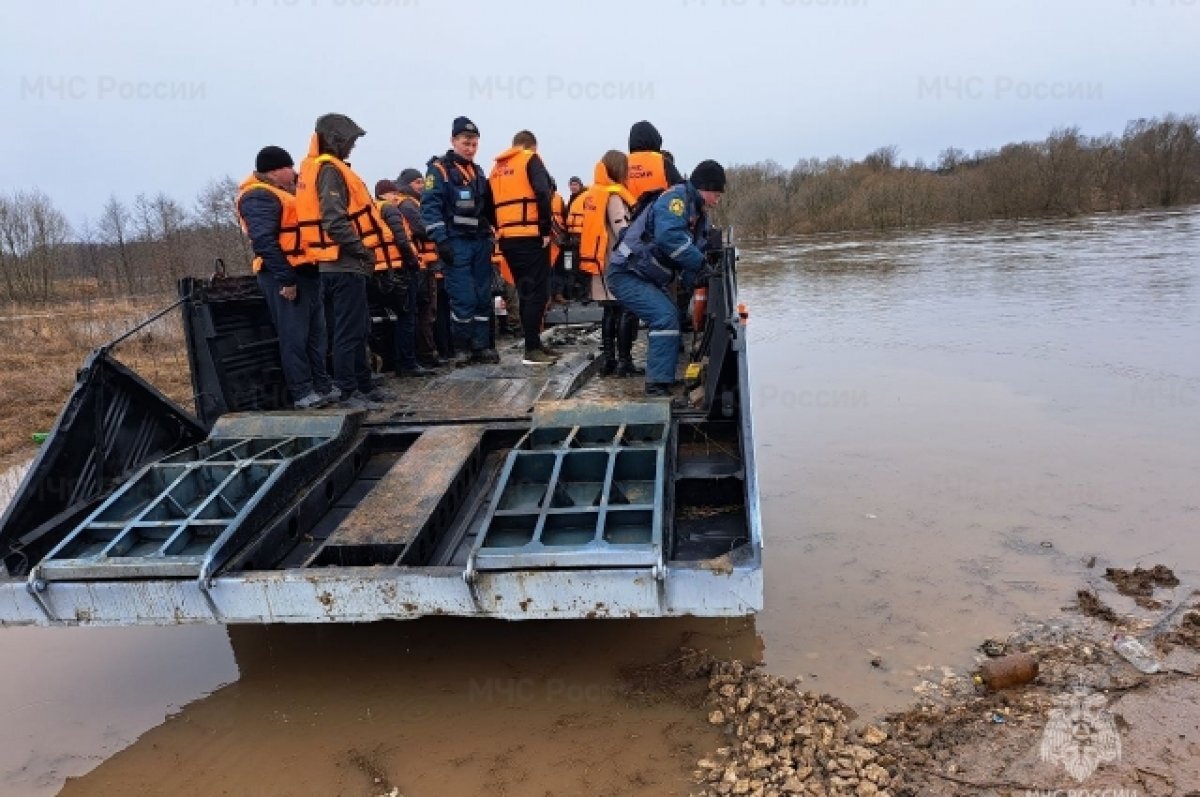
pixel 644 203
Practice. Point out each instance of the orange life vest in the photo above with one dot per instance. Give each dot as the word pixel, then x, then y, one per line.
pixel 512 194
pixel 589 219
pixel 426 249
pixel 364 214
pixel 558 207
pixel 388 255
pixel 501 264
pixel 647 172
pixel 289 225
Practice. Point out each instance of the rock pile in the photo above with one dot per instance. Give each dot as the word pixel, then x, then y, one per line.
pixel 783 740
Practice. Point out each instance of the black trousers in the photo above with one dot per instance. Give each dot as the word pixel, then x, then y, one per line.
pixel 351 324
pixel 529 263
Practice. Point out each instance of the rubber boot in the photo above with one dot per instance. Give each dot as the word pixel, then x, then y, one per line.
pixel 610 321
pixel 626 335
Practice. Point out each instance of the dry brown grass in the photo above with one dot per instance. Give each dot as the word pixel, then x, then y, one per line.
pixel 42 347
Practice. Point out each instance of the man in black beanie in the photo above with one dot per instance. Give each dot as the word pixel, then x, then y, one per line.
pixel 291 285
pixel 664 242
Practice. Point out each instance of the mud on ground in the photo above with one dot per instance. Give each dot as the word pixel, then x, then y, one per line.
pixel 960 739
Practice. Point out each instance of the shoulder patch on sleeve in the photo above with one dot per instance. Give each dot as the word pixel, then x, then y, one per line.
pixel 676 206
pixel 429 182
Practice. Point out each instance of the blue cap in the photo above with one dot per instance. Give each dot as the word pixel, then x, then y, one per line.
pixel 463 125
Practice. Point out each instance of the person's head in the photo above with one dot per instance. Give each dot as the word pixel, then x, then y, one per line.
pixel 464 138
pixel 337 134
pixel 275 166
pixel 708 178
pixel 411 178
pixel 616 164
pixel 575 185
pixel 387 190
pixel 644 137
pixel 525 140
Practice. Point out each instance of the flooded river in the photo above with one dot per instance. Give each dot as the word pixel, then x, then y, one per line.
pixel 951 425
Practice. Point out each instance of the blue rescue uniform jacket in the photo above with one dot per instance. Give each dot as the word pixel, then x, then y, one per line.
pixel 457 201
pixel 666 239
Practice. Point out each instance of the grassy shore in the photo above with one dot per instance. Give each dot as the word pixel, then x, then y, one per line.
pixel 44 345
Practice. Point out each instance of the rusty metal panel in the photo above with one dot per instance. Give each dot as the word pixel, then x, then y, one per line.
pixel 405 498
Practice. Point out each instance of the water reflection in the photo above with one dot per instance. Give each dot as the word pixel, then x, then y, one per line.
pixel 434 707
pixel 74 696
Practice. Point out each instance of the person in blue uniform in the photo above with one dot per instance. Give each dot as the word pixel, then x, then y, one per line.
pixel 666 241
pixel 460 217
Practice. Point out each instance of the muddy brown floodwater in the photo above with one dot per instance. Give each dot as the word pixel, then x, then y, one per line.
pixel 951 425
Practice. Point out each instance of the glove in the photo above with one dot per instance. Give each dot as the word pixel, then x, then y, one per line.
pixel 445 253
pixel 409 260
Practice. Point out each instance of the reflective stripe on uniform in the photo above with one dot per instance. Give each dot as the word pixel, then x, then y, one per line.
pixel 467 220
pixel 680 250
pixel 664 332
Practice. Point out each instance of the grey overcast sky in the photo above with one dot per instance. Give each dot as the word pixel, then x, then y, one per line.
pixel 105 97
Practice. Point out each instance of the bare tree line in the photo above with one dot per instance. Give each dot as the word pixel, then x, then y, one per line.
pixel 145 246
pixel 136 248
pixel 1154 163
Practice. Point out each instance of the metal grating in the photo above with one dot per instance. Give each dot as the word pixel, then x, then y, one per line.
pixel 579 495
pixel 180 516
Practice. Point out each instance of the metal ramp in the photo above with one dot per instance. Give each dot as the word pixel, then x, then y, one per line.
pixel 183 516
pixel 583 488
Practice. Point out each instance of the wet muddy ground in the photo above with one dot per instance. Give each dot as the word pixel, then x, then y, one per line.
pixel 967 427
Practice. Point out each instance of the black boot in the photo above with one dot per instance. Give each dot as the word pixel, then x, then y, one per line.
pixel 609 323
pixel 626 335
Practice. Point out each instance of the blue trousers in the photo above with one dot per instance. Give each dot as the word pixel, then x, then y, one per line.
pixel 351 325
pixel 651 304
pixel 300 327
pixel 469 288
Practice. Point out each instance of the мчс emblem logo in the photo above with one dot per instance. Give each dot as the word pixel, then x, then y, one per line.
pixel 1081 734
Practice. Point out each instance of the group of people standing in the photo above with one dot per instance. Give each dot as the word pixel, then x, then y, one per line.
pixel 426 247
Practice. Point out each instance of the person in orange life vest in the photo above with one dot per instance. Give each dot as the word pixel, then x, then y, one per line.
pixel 521 192
pixel 598 215
pixel 510 324
pixel 341 230
pixel 399 282
pixel 558 208
pixel 431 352
pixel 575 187
pixel 649 169
pixel 266 207
pixel 558 232
pixel 459 216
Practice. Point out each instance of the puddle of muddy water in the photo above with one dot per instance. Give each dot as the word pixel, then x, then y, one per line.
pixel 74 696
pixel 959 420
pixel 433 707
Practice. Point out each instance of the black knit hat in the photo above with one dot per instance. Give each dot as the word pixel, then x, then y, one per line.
pixel 708 176
pixel 271 158
pixel 463 125
pixel 408 175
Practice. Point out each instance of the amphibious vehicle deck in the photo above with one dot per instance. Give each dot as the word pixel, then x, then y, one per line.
pixel 505 490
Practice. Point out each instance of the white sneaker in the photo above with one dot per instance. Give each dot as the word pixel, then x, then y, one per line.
pixel 312 401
